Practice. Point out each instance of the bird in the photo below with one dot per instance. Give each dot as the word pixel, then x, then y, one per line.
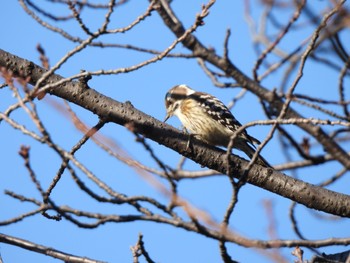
pixel 208 119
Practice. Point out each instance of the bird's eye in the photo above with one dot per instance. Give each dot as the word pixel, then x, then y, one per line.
pixel 168 100
pixel 168 96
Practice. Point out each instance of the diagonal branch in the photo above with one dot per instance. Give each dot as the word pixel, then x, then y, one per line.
pixel 214 158
pixel 44 250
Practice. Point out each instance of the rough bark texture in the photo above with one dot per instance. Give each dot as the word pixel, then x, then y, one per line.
pixel 125 114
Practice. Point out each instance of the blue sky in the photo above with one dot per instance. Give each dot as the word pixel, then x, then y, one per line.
pixel 146 88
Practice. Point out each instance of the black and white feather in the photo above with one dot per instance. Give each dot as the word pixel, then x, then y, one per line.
pixel 208 118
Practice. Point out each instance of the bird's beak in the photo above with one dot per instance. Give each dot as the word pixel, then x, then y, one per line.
pixel 168 115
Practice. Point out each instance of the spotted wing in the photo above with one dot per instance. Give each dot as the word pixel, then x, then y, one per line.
pixel 218 111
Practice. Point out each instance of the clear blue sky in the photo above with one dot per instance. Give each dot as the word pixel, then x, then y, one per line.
pixel 146 88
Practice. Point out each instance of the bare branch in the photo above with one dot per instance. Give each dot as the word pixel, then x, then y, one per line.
pixel 54 253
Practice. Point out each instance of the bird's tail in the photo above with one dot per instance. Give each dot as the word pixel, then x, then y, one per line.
pixel 249 150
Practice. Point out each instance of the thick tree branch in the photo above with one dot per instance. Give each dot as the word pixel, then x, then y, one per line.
pixel 125 114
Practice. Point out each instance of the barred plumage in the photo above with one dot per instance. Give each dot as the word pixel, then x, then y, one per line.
pixel 208 118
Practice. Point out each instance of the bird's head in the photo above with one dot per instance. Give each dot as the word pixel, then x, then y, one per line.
pixel 174 98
